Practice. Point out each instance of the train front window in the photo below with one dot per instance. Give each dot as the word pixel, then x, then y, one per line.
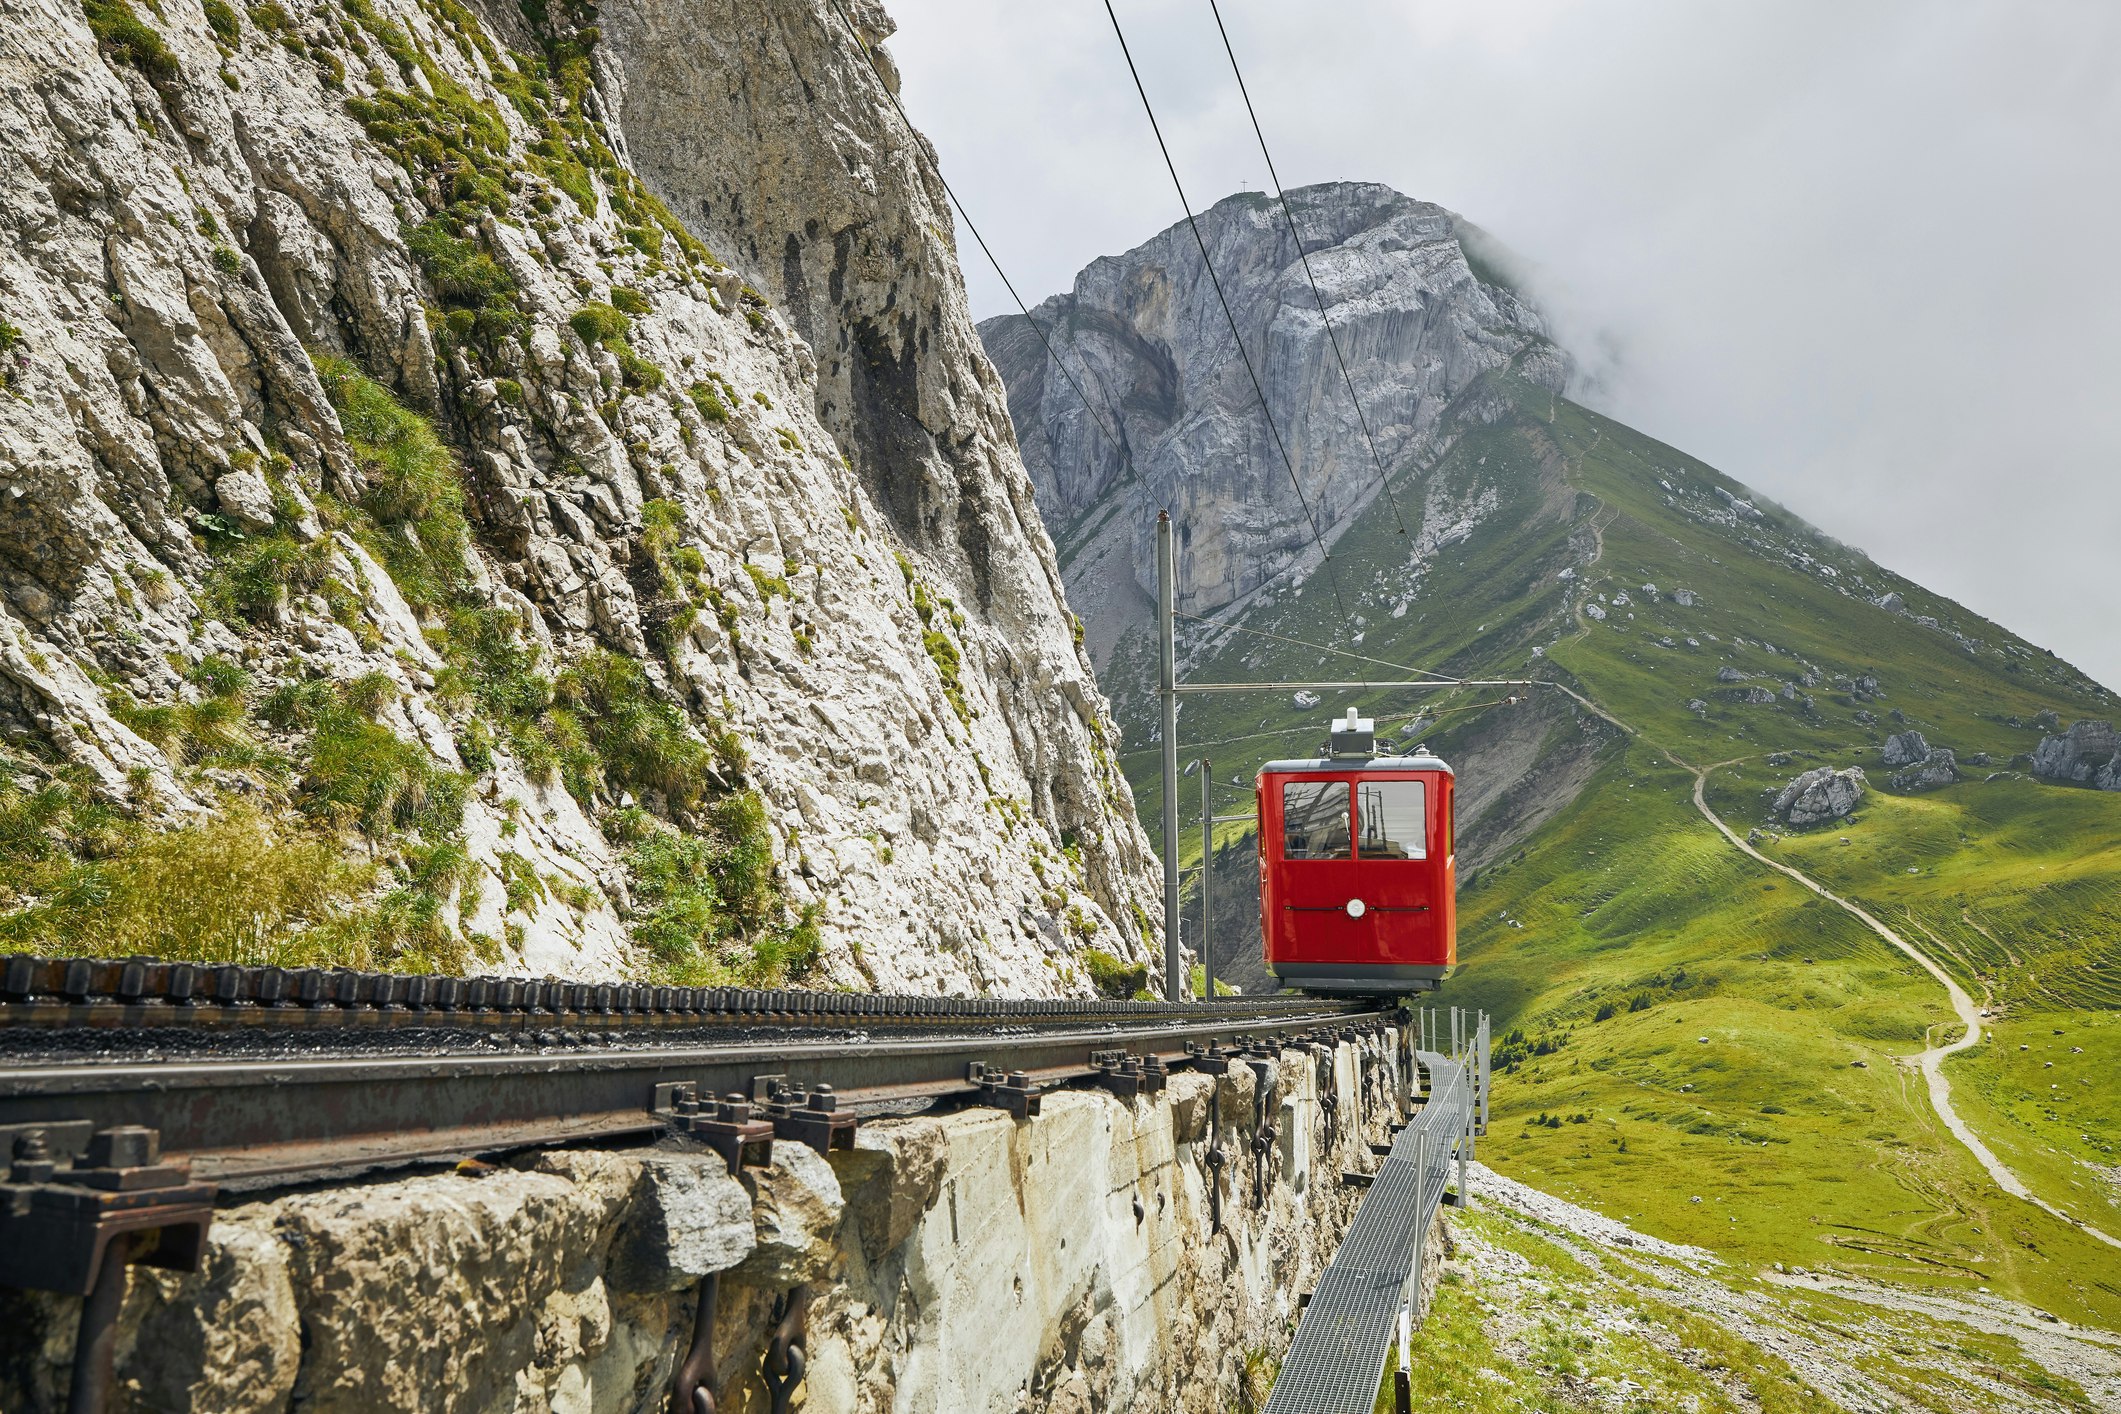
pixel 1314 820
pixel 1395 819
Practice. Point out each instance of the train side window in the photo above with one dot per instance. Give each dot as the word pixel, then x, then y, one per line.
pixel 1314 820
pixel 1395 819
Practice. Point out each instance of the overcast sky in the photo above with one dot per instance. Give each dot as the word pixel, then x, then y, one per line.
pixel 1864 257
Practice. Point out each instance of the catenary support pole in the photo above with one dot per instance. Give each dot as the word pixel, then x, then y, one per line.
pixel 1207 880
pixel 1166 629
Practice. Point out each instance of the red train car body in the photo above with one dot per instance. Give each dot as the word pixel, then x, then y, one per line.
pixel 1357 875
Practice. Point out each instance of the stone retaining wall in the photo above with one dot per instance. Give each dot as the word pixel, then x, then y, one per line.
pixel 964 1262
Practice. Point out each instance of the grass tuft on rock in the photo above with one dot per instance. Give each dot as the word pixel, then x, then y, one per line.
pixel 642 741
pixel 124 36
pixel 709 906
pixel 1113 978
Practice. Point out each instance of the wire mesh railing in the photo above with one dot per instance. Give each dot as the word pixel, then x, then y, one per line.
pixel 1373 1288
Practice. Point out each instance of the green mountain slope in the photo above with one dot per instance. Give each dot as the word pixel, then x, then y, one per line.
pixel 1684 1023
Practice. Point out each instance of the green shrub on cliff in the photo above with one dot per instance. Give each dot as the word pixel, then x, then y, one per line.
pixel 126 37
pixel 1113 978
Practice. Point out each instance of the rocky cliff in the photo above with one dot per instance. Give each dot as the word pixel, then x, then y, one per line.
pixel 496 487
pixel 1172 423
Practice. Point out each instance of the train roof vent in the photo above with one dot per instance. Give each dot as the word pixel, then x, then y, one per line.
pixel 1354 736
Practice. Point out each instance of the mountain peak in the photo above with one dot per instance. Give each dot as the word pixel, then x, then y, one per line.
pixel 1419 315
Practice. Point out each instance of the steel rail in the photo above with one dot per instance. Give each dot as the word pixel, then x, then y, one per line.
pixel 135 1093
pixel 249 1122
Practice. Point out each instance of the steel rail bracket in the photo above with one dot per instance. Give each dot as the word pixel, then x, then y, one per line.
pixel 70 1190
pixel 1004 1090
pixel 1128 1076
pixel 78 1205
pixel 814 1118
pixel 1208 1060
pixel 725 1126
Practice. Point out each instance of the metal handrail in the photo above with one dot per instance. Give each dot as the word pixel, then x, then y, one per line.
pixel 1372 1288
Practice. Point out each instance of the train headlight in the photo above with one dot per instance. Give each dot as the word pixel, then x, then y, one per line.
pixel 1357 908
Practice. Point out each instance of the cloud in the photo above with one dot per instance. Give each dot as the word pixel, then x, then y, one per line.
pixel 1860 256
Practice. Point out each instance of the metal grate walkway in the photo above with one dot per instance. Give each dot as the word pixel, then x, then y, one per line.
pixel 1336 1362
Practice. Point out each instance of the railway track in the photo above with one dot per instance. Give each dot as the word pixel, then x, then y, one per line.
pixel 134 1093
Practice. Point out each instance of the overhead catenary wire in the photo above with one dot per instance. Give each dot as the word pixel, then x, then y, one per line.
pixel 1383 477
pixel 1052 353
pixel 1244 354
pixel 1434 713
pixel 1315 647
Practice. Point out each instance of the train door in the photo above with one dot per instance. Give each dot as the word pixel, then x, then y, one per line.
pixel 1318 869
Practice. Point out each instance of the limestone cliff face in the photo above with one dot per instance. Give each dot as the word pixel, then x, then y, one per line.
pixel 1419 318
pixel 727 506
pixel 1095 1258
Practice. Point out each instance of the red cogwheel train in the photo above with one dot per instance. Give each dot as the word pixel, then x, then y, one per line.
pixel 1357 877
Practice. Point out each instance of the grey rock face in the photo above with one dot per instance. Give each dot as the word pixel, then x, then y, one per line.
pixel 688 1218
pixel 1143 335
pixel 1905 749
pixel 244 495
pixel 2089 753
pixel 797 1211
pixel 1820 795
pixel 1728 674
pixel 1938 767
pixel 891 1177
